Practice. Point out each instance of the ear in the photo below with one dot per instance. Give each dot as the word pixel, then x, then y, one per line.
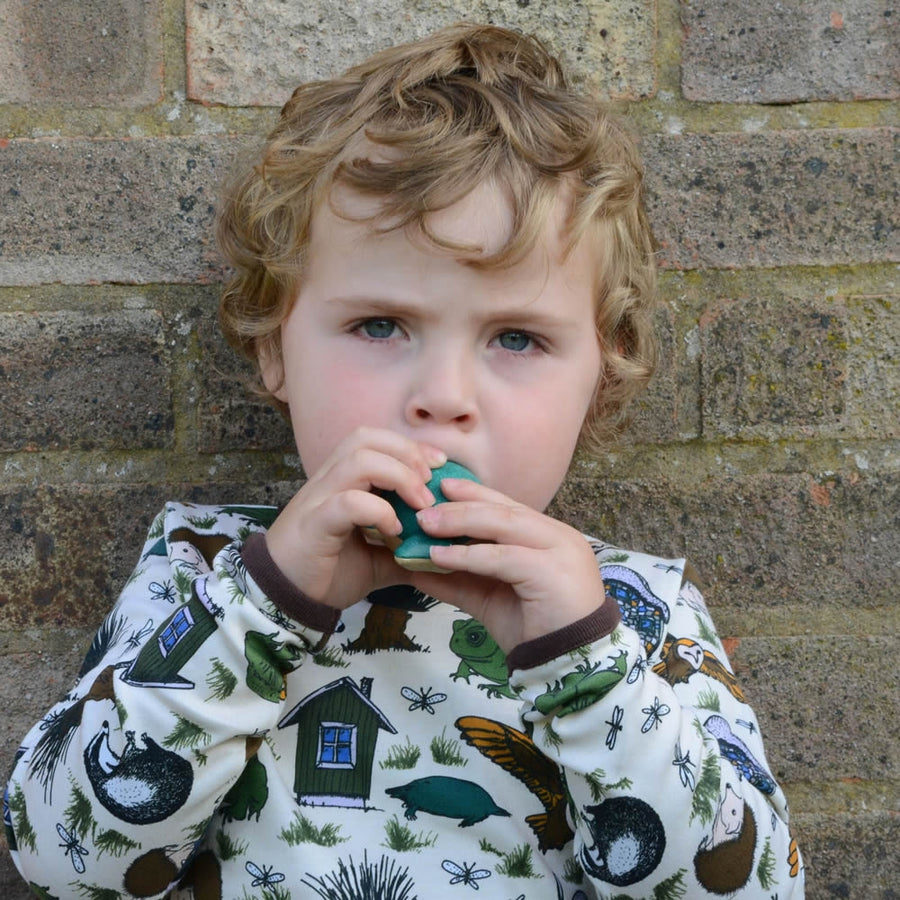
pixel 271 368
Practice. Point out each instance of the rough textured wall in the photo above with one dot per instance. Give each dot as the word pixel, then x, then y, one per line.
pixel 768 449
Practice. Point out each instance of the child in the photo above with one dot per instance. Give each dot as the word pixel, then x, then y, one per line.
pixel 442 254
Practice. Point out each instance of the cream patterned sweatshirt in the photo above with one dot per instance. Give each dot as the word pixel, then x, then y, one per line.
pixel 227 737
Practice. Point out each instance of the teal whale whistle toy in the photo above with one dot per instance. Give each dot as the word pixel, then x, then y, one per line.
pixel 411 546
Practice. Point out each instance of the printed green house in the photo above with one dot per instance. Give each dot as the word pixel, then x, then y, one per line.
pixel 175 642
pixel 337 729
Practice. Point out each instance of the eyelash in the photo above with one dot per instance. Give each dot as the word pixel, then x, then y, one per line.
pixel 535 344
pixel 360 329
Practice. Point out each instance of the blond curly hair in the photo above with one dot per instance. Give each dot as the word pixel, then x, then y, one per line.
pixel 466 105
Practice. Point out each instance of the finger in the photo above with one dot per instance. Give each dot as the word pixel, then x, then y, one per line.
pixel 456 588
pixel 416 454
pixel 504 523
pixel 465 489
pixel 366 468
pixel 348 510
pixel 500 562
pixel 554 591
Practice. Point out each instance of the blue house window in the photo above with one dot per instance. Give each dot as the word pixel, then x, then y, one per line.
pixel 181 624
pixel 337 746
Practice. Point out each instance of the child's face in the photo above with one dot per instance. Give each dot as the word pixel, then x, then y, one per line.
pixel 496 367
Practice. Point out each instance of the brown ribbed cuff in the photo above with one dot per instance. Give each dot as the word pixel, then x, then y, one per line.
pixel 282 591
pixel 598 624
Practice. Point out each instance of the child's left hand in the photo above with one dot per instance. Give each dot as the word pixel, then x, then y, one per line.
pixel 524 575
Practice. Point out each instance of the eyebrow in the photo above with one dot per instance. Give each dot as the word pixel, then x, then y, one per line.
pixel 392 307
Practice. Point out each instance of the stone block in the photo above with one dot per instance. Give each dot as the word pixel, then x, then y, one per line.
pixel 142 210
pixel 769 547
pixel 668 409
pixel 87 53
pixel 68 549
pixel 39 668
pixel 744 52
pixel 783 368
pixel 12 887
pixel 788 198
pixel 773 368
pixel 45 664
pixel 230 414
pixel 256 54
pixel 812 693
pixel 83 211
pixel 873 376
pixel 73 380
pixel 850 855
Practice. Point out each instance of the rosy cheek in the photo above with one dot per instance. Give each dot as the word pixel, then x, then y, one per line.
pixel 362 391
pixel 353 399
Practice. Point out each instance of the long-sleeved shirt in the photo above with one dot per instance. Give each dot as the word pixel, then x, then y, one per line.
pixel 228 737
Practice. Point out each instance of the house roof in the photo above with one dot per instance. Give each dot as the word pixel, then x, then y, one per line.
pixel 346 682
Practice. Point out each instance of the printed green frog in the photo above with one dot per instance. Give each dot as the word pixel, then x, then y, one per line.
pixel 480 655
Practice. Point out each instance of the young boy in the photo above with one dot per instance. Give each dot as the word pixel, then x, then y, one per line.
pixel 441 255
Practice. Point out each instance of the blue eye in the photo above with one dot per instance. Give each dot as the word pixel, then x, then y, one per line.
pixel 378 329
pixel 516 341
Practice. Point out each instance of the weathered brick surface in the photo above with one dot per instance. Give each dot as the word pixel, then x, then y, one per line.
pixel 68 549
pixel 45 664
pixel 765 543
pixel 89 53
pixel 12 886
pixel 230 414
pixel 746 52
pixel 785 367
pixel 255 54
pixel 775 199
pixel 852 856
pixel 845 689
pixel 669 408
pixel 108 210
pixel 101 380
pixel 65 553
pixel 142 210
pixel 769 367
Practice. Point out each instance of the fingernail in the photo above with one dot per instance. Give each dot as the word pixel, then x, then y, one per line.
pixel 436 457
pixel 427 516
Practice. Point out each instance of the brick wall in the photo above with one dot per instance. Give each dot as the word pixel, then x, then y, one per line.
pixel 768 449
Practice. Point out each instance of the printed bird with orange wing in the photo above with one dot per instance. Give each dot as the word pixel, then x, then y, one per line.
pixel 515 752
pixel 682 658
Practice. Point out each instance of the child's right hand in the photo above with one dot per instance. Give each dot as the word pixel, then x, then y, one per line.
pixel 316 541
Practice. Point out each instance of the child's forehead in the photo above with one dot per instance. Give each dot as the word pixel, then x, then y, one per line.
pixel 482 218
pixel 482 221
pixel 349 256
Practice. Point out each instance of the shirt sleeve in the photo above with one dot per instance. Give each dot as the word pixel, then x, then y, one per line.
pixel 670 792
pixel 181 683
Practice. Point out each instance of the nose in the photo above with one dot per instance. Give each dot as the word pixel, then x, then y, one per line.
pixel 443 393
